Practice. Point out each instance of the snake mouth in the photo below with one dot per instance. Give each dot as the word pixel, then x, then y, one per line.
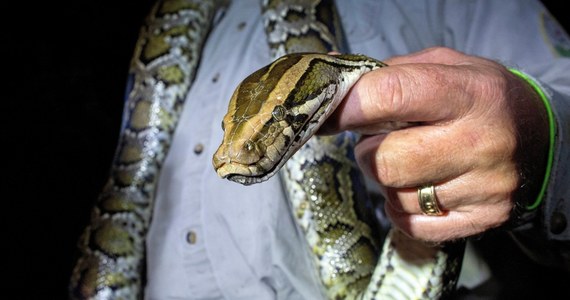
pixel 245 180
pixel 245 174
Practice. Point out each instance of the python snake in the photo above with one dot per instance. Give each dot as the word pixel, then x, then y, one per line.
pixel 325 189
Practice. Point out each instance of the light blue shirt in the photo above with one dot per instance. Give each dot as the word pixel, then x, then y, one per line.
pixel 211 238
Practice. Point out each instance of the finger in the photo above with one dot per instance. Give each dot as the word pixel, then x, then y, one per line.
pixel 411 157
pixel 432 93
pixel 437 55
pixel 411 92
pixel 461 194
pixel 452 225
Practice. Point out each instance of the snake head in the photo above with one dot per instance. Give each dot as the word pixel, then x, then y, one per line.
pixel 276 109
pixel 258 128
pixel 254 141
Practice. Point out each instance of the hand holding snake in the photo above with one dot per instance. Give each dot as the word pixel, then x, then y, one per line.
pixel 474 119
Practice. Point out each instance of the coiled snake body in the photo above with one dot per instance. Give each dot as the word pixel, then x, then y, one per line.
pixel 272 114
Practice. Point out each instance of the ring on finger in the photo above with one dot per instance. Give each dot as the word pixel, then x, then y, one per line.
pixel 428 201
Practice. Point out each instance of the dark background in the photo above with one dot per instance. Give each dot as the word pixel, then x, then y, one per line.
pixel 63 104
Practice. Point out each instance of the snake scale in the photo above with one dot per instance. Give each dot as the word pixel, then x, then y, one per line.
pixel 321 180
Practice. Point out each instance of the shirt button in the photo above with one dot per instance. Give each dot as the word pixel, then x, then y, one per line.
pixel 191 237
pixel 216 77
pixel 241 26
pixel 198 148
pixel 557 223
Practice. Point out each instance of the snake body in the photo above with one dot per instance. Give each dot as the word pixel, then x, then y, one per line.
pixel 112 247
pixel 321 180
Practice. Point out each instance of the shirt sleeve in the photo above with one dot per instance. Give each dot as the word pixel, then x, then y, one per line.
pixel 546 237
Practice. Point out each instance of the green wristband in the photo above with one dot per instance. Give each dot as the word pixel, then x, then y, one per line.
pixel 552 135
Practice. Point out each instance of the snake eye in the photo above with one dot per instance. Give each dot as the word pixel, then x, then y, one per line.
pixel 279 113
pixel 249 146
pixel 223 127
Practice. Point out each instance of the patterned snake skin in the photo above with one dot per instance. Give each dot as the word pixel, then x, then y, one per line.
pixel 324 186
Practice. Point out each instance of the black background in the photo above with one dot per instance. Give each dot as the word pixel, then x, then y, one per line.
pixel 63 97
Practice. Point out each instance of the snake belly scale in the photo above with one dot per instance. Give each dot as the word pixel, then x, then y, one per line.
pixel 268 131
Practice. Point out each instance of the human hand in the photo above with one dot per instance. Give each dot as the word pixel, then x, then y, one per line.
pixel 481 140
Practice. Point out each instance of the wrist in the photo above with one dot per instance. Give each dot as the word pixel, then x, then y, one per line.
pixel 535 152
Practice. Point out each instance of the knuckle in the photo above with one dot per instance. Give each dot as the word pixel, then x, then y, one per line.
pixel 490 144
pixel 490 82
pixel 442 51
pixel 497 214
pixel 387 172
pixel 391 92
pixel 504 190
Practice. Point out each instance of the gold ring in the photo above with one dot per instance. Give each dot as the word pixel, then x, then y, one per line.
pixel 428 201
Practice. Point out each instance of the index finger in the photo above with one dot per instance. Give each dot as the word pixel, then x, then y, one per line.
pixel 426 87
